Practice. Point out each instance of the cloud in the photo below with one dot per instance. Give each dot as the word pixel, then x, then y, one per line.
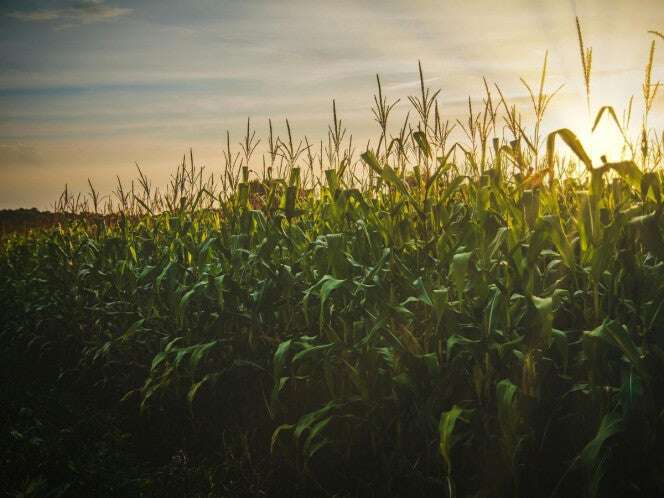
pixel 75 14
pixel 18 154
pixel 36 15
pixel 411 83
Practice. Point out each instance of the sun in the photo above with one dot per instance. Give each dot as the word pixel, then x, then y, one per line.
pixel 606 141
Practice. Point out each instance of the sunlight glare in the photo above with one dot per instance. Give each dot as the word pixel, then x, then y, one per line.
pixel 607 141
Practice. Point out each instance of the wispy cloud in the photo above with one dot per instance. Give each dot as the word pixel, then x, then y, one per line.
pixel 411 84
pixel 75 14
pixel 17 153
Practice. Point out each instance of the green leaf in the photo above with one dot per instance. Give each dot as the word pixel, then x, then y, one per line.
pixel 328 284
pixel 193 390
pixel 158 359
pixel 289 206
pixel 459 270
pixel 199 352
pixel 616 335
pixel 311 350
pixel 650 233
pixel 445 431
pixel 454 185
pixel 554 229
pixel 308 420
pixel 294 180
pixel 508 415
pixel 243 195
pixel 572 142
pixel 650 187
pixel 370 159
pixel 544 308
pixel 277 432
pixel 279 358
pixel 531 205
pixel 332 180
pixel 311 446
pixel 628 171
pixel 443 167
pixel 391 178
pixel 422 142
pixel 423 295
pixel 561 344
pixel 611 424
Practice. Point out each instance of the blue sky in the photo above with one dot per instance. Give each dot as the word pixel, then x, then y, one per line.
pixel 89 87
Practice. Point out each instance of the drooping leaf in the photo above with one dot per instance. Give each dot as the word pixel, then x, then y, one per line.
pixel 422 142
pixel 611 424
pixel 445 431
pixel 572 142
pixel 616 335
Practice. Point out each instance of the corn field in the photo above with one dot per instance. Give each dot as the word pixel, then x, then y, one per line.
pixel 425 317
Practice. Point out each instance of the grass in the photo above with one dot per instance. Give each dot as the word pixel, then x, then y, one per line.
pixel 477 318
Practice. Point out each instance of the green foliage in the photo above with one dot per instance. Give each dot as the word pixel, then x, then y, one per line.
pixel 325 326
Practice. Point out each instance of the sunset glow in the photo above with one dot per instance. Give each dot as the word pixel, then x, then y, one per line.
pixel 90 91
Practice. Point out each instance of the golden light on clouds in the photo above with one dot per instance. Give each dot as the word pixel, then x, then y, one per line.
pixel 89 91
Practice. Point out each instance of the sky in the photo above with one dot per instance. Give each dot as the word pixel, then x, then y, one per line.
pixel 90 88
